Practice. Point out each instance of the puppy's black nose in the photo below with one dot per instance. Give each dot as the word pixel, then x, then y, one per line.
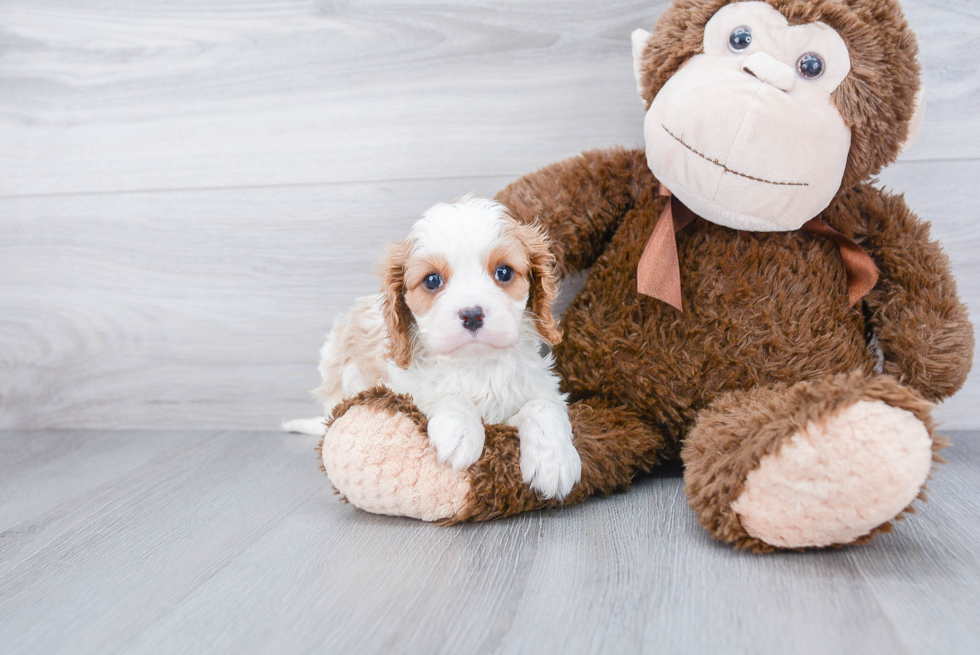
pixel 472 318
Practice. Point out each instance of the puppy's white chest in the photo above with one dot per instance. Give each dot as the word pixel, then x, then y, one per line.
pixel 495 386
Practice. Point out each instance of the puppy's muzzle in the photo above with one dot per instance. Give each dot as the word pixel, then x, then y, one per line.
pixel 472 318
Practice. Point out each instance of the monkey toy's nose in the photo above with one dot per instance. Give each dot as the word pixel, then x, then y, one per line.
pixel 472 318
pixel 769 70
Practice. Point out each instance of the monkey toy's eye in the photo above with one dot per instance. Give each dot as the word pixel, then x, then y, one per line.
pixel 504 273
pixel 740 39
pixel 810 66
pixel 432 281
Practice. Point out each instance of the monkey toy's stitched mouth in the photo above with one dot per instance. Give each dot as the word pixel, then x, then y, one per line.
pixel 728 170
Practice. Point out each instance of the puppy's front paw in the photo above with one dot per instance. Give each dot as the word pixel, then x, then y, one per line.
pixel 457 438
pixel 549 462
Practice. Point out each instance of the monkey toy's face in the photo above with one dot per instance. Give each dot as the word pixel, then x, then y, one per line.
pixel 746 134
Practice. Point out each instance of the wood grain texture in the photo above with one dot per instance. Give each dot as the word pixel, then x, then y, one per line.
pixel 191 192
pixel 109 95
pixel 233 542
pixel 260 93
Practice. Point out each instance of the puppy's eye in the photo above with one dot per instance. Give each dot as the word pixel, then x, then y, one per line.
pixel 503 274
pixel 432 281
pixel 740 39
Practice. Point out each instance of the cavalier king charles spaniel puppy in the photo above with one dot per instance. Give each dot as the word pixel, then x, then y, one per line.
pixel 465 308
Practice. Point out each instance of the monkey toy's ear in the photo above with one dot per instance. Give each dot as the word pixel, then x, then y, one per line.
pixel 640 40
pixel 916 121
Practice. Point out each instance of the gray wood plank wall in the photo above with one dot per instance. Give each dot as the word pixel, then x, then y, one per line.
pixel 191 191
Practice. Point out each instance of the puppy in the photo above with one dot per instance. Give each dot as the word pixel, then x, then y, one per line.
pixel 459 325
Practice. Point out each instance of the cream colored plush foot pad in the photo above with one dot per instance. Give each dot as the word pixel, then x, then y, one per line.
pixel 835 482
pixel 385 465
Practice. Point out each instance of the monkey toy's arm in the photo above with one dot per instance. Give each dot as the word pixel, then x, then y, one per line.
pixel 921 325
pixel 580 201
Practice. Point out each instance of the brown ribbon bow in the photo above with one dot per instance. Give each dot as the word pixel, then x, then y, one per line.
pixel 659 274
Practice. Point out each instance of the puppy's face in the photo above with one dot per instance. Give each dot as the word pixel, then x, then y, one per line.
pixel 464 278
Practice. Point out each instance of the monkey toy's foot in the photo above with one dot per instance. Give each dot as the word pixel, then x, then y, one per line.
pixel 377 454
pixel 817 464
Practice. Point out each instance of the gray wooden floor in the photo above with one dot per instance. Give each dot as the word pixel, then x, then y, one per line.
pixel 232 542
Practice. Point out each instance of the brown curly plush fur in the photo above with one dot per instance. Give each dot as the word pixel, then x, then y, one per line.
pixel 612 441
pixel 763 310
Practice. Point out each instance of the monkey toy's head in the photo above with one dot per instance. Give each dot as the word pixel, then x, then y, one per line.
pixel 759 113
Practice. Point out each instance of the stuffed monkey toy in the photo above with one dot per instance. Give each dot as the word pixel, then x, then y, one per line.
pixel 754 304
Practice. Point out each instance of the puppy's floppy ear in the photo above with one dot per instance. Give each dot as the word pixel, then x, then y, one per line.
pixel 397 315
pixel 544 279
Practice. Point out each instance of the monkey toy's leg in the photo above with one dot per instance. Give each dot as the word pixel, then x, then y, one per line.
pixel 816 464
pixel 614 445
pixel 378 456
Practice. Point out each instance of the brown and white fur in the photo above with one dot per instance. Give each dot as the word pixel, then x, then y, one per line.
pixel 467 350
